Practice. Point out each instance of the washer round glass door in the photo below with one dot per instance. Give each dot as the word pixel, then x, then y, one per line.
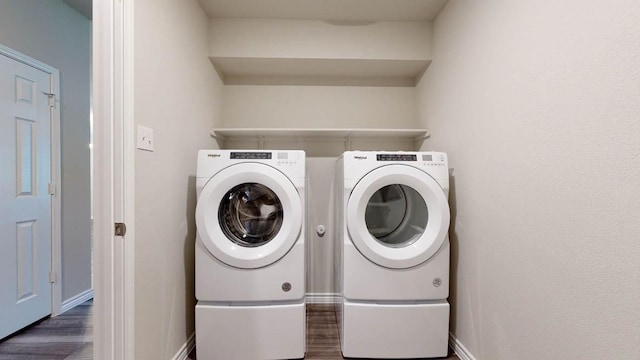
pixel 397 216
pixel 249 215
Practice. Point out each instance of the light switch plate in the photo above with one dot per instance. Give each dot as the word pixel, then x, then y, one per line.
pixel 145 138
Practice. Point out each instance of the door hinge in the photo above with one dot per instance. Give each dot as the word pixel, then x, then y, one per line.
pixel 52 189
pixel 53 277
pixel 120 229
pixel 52 99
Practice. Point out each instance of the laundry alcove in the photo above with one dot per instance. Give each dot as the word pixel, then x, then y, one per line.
pixel 322 86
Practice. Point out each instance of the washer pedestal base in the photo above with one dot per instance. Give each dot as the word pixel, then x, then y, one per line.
pixel 262 332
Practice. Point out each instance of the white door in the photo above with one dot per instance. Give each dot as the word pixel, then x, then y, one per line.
pixel 398 216
pixel 25 203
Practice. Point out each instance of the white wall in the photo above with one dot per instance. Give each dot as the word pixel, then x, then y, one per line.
pixel 319 106
pixel 320 174
pixel 537 104
pixel 313 39
pixel 178 95
pixel 55 34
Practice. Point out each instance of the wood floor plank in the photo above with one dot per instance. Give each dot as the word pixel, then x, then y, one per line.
pixel 29 357
pixel 56 350
pixel 85 352
pixel 68 336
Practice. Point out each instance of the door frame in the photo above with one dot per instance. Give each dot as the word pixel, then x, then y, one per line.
pixel 114 179
pixel 56 199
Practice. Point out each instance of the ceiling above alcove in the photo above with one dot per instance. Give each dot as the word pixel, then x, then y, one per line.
pixel 331 10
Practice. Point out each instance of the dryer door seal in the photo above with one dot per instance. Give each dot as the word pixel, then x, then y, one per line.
pixel 265 239
pixel 397 216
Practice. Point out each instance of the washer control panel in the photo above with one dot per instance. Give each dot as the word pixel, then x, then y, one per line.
pixel 291 162
pixel 396 157
pixel 247 155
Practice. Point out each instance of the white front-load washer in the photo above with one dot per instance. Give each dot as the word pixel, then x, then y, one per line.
pixel 392 254
pixel 250 254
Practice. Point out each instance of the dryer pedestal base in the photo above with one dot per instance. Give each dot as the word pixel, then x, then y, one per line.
pixel 395 331
pixel 262 332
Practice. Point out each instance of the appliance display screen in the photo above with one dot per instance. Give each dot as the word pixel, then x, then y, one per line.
pixel 427 157
pixel 396 157
pixel 250 155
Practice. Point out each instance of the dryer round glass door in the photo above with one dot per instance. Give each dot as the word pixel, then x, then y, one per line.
pixel 249 215
pixel 397 216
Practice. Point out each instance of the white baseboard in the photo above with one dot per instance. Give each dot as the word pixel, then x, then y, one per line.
pixel 459 349
pixel 186 348
pixel 76 300
pixel 322 298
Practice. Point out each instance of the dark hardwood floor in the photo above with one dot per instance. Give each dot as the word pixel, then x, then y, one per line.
pixel 322 335
pixel 65 337
pixel 323 340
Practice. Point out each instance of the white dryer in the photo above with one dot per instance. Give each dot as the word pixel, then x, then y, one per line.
pixel 250 254
pixel 392 257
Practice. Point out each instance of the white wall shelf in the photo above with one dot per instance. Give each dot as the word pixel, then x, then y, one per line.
pixel 320 142
pixel 320 72
pixel 284 51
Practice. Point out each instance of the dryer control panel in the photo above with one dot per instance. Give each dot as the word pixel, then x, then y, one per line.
pixel 436 157
pixel 358 163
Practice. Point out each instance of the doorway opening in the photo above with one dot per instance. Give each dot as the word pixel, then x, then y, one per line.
pixel 57 35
